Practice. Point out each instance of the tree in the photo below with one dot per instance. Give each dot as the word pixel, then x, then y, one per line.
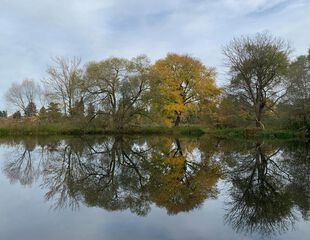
pixel 43 114
pixel 53 112
pixel 232 112
pixel 21 95
pixel 31 110
pixel 63 82
pixel 91 111
pixel 258 67
pixel 3 114
pixel 181 83
pixel 78 109
pixel 17 115
pixel 119 87
pixel 296 105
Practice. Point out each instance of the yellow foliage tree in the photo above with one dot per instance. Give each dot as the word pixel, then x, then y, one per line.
pixel 181 83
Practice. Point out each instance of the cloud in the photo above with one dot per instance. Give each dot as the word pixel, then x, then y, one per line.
pixel 33 31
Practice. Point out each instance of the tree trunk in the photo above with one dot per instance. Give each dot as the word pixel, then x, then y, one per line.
pixel 177 120
pixel 261 163
pixel 179 148
pixel 258 115
pixel 259 124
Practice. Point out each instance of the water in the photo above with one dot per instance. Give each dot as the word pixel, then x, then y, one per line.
pixel 134 187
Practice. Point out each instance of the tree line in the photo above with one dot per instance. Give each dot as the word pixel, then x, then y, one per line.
pixel 266 87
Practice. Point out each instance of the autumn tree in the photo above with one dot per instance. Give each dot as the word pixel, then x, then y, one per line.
pixel 181 83
pixel 258 68
pixel 21 95
pixel 63 82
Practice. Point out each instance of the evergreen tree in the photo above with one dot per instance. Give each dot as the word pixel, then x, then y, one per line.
pixel 43 113
pixel 3 114
pixel 31 110
pixel 53 112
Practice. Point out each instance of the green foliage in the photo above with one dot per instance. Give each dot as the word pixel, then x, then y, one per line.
pixel 119 86
pixel 258 69
pixel 78 109
pixel 295 110
pixel 31 110
pixel 3 114
pixel 53 113
pixel 191 131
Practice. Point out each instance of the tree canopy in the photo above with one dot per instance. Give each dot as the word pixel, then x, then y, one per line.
pixel 181 84
pixel 258 68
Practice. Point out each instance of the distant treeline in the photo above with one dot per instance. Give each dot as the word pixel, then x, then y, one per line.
pixel 266 88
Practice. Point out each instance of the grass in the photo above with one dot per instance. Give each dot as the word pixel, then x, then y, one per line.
pixel 68 128
pixel 252 133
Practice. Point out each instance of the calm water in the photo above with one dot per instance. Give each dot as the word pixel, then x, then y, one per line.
pixel 153 188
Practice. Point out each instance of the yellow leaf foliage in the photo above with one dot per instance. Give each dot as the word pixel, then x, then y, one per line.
pixel 181 83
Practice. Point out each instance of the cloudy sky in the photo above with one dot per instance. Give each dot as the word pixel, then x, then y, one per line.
pixel 33 31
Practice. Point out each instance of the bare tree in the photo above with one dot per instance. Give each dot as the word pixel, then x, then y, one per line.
pixel 62 84
pixel 258 67
pixel 21 95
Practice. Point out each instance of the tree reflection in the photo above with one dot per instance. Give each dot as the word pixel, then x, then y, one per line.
pixel 119 173
pixel 269 183
pixel 296 159
pixel 264 192
pixel 20 166
pixel 181 179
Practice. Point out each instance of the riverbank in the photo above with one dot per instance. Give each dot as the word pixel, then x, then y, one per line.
pixel 26 129
pixel 65 129
pixel 252 133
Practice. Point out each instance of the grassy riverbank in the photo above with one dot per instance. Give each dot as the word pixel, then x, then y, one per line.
pixel 242 133
pixel 29 129
pixel 33 129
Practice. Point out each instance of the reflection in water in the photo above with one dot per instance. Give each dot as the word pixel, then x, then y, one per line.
pixel 265 191
pixel 269 183
pixel 22 168
pixel 118 173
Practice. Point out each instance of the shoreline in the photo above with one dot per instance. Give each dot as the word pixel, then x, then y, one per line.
pixel 190 131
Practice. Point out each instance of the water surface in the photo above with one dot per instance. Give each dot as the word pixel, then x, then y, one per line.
pixel 155 187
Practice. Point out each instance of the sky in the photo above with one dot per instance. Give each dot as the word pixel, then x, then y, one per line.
pixel 34 31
